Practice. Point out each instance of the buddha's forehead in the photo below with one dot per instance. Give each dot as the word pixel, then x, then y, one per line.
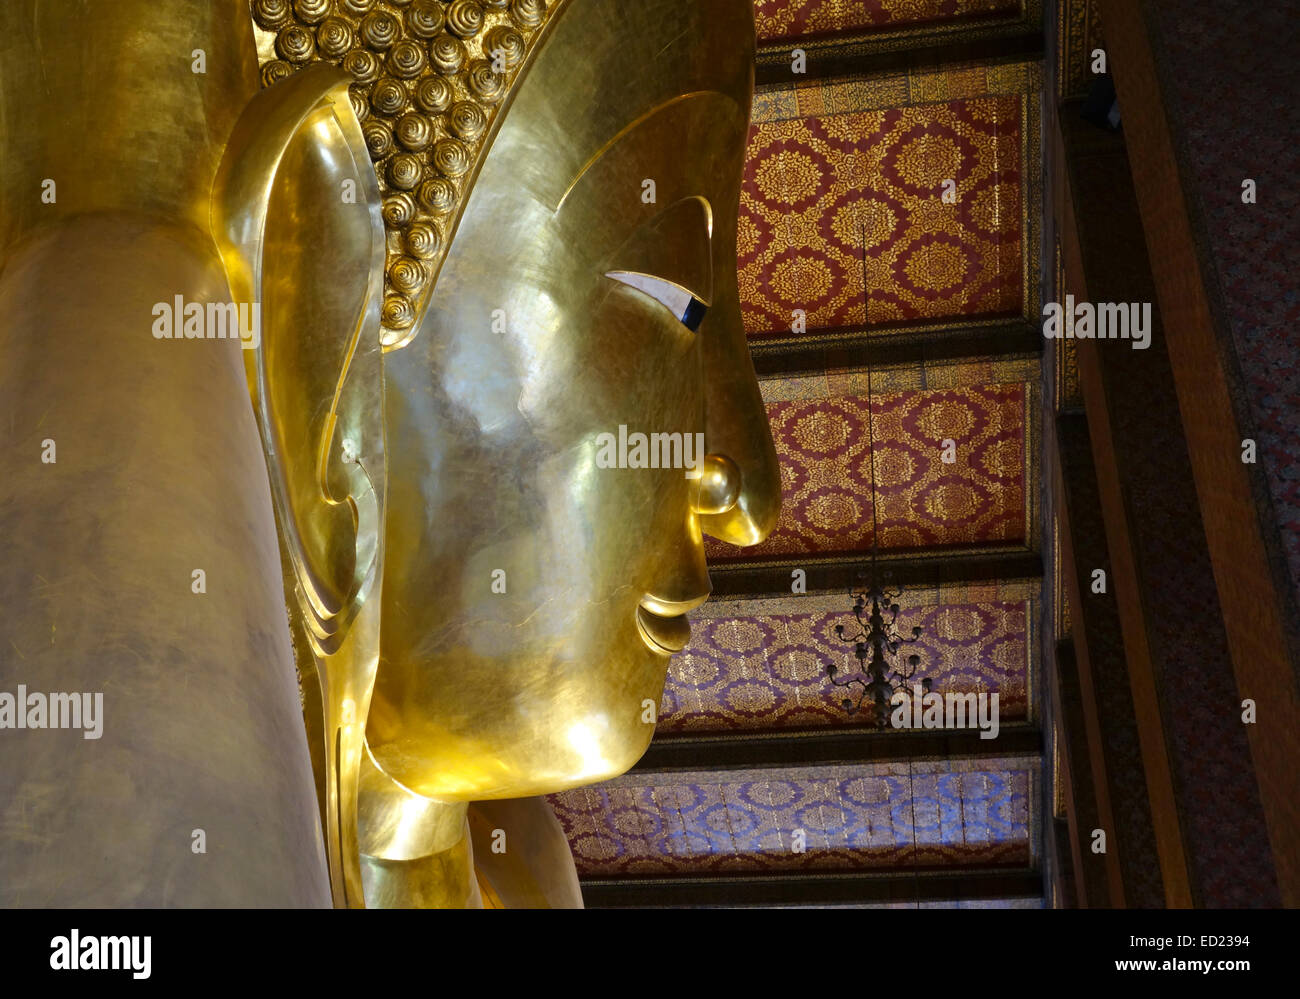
pixel 623 92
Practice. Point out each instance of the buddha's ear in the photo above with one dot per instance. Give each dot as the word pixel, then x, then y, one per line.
pixel 296 213
pixel 296 210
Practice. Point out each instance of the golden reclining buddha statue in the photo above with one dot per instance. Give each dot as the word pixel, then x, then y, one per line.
pixel 446 250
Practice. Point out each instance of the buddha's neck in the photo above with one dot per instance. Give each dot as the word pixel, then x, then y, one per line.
pixel 441 880
pixel 415 852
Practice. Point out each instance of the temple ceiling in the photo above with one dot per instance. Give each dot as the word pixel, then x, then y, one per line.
pixel 815 186
pixel 894 816
pixel 826 435
pixel 780 20
pixel 936 173
pixel 759 663
pixel 837 34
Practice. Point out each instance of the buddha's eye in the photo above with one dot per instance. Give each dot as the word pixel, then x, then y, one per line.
pixel 685 307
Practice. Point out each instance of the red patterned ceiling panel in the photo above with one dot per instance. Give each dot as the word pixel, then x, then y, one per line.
pixel 760 664
pixel 816 186
pixel 980 498
pixel 781 19
pixel 890 816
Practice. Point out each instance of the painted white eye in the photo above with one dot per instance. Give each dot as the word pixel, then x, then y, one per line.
pixel 688 309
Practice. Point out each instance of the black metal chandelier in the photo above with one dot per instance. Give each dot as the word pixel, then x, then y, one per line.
pixel 877 637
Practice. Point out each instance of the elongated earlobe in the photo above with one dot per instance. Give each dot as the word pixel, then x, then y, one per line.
pixel 296 209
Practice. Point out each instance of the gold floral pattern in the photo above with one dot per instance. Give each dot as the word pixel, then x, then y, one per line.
pixel 931 192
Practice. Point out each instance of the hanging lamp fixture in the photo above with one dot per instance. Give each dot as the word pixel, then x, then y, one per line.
pixel 877 641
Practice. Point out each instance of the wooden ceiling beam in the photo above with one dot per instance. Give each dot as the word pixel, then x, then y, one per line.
pixel 835 573
pixel 860 55
pixel 799 748
pixel 856 888
pixel 858 349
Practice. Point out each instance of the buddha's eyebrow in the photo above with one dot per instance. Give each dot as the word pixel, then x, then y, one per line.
pixel 627 129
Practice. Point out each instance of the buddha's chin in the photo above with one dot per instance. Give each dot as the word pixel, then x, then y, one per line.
pixel 589 757
pixel 569 731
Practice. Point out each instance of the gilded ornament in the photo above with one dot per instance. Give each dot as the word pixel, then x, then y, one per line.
pixel 447 54
pixel 274 71
pixel 528 14
pixel 312 11
pixel 407 275
pixel 437 196
pixel 414 131
pixel 399 210
pixel 405 170
pixel 508 42
pixel 434 95
pixel 397 313
pixel 334 37
pixel 466 120
pixel 295 43
pixel 360 101
pixel 379 29
pixel 406 59
pixel 464 18
pixel 451 158
pixel 388 97
pixel 424 19
pixel 363 65
pixel 423 240
pixel 379 137
pixel 484 82
pixel 409 61
pixel 272 15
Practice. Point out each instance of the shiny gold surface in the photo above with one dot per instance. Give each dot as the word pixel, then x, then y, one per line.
pixel 483 694
pixel 522 857
pixel 488 611
pixel 313 260
pixel 158 474
pixel 426 81
pixel 529 598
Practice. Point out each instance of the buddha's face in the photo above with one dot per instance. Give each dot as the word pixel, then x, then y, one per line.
pixel 531 596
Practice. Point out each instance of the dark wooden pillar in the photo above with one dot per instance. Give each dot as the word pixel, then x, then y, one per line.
pixel 1236 99
pixel 1098 671
pixel 1206 813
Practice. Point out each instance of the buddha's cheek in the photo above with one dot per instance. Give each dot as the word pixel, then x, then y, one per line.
pixel 549 725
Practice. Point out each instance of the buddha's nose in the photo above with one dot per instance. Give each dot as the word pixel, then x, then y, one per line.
pixel 741 496
pixel 719 485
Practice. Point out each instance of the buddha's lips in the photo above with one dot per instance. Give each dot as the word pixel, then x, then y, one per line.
pixel 665 635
